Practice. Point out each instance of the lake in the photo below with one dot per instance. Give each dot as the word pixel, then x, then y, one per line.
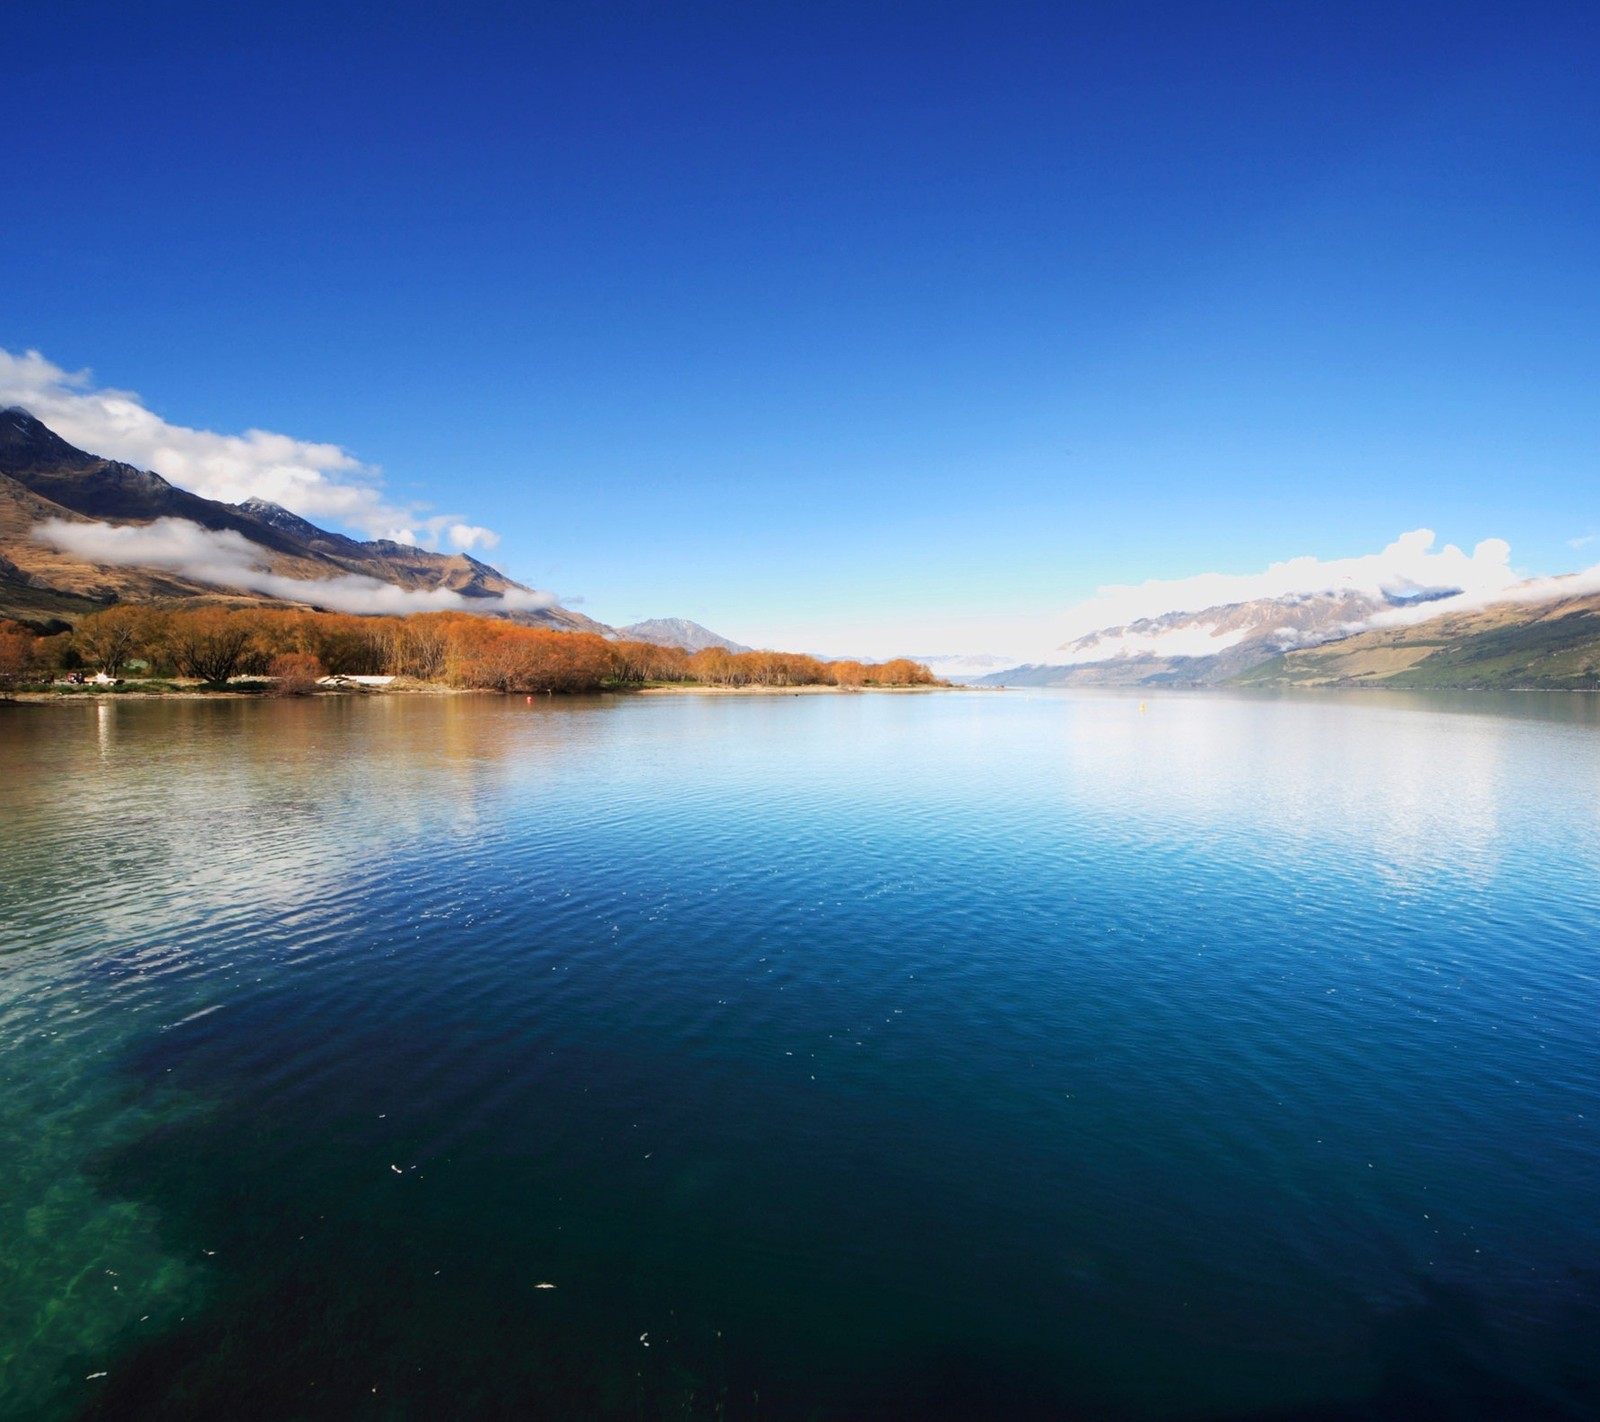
pixel 946 1056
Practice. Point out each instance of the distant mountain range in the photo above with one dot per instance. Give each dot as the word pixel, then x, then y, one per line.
pixel 1322 639
pixel 678 632
pixel 1203 648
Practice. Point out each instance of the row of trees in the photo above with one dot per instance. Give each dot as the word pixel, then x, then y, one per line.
pixel 212 644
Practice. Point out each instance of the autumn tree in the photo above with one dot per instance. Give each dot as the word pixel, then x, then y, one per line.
pixel 902 671
pixel 347 644
pixel 420 647
pixel 717 666
pixel 294 673
pixel 17 655
pixel 209 643
pixel 648 661
pixel 111 639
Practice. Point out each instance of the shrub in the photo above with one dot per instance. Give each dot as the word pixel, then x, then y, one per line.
pixel 294 673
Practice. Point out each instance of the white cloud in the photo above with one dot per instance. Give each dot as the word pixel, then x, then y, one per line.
pixel 1583 542
pixel 1004 640
pixel 320 482
pixel 1204 640
pixel 1441 582
pixel 230 560
pixel 1406 568
pixel 466 537
pixel 1579 584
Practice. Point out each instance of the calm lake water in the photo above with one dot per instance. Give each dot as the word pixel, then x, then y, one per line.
pixel 949 1057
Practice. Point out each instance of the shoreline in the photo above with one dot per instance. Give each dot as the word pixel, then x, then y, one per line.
pixel 691 689
pixel 195 692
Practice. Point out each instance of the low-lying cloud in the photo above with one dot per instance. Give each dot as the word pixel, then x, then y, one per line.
pixel 1204 640
pixel 1406 583
pixel 1407 568
pixel 1532 590
pixel 227 559
pixel 321 482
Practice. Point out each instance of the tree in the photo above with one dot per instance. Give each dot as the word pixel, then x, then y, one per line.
pixel 17 655
pixel 421 648
pixel 111 639
pixel 647 661
pixel 717 666
pixel 902 671
pixel 294 673
pixel 555 661
pixel 210 643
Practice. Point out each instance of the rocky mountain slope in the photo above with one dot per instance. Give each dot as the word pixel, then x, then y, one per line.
pixel 44 480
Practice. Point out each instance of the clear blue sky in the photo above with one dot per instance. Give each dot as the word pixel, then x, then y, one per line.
pixel 833 325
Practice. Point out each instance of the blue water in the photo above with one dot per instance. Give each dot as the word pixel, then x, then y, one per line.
pixel 944 1056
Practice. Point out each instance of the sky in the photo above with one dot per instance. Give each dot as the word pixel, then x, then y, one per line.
pixel 859 329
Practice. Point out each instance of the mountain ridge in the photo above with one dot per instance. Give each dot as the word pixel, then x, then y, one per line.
pixel 1323 639
pixel 678 632
pixel 1549 644
pixel 45 480
pixel 1203 647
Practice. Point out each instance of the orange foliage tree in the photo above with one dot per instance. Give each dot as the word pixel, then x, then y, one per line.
pixel 637 662
pixel 294 673
pixel 111 639
pixel 210 643
pixel 214 643
pixel 17 654
pixel 902 671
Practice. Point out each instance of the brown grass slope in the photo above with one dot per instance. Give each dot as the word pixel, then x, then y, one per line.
pixel 43 477
pixel 1553 645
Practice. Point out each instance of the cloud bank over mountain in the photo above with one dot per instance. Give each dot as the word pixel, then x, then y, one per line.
pixel 1293 603
pixel 316 481
pixel 230 560
pixel 1407 569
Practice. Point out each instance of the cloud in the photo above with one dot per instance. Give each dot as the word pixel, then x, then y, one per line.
pixel 466 537
pixel 1406 568
pixel 1427 584
pixel 320 482
pixel 1533 590
pixel 1203 640
pixel 228 559
pixel 1583 542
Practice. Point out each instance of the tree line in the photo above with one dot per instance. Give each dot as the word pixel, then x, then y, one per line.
pixel 213 644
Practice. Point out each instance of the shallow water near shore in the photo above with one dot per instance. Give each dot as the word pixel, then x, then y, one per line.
pixel 984 1055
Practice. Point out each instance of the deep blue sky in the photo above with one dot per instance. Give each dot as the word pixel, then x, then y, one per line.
pixel 831 325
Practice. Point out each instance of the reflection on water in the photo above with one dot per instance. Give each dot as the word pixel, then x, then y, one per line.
pixel 945 1056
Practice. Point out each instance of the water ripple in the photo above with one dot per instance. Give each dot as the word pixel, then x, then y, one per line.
pixel 1150 1065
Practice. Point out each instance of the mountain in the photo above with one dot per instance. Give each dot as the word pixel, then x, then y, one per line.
pixel 966 668
pixel 1319 639
pixel 45 479
pixel 678 632
pixel 1551 644
pixel 1201 648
